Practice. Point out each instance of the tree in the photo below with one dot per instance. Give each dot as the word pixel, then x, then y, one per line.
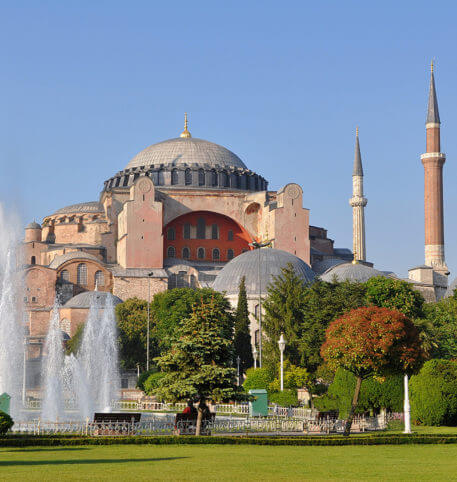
pixel 73 344
pixel 170 307
pixel 242 337
pixel 199 363
pixel 434 393
pixel 132 323
pixel 395 294
pixel 258 378
pixel 372 342
pixel 441 318
pixel 6 422
pixel 303 312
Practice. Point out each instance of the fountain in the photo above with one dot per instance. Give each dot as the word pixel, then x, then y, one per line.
pixel 11 328
pixel 90 380
pixel 53 370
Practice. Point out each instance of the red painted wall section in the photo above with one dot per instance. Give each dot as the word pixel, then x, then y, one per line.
pixel 292 223
pixel 144 246
pixel 239 244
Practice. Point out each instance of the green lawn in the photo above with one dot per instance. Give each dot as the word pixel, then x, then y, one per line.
pixel 234 463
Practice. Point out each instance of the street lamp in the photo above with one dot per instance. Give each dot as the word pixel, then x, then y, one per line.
pixel 238 359
pixel 149 319
pixel 258 246
pixel 406 406
pixel 282 345
pixel 255 354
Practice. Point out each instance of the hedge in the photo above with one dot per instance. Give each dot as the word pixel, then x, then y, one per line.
pixel 48 441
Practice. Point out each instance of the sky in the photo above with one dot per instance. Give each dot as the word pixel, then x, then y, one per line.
pixel 86 85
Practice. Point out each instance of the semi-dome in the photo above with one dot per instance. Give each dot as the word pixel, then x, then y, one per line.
pixel 87 207
pixel 247 264
pixel 63 258
pixel 189 151
pixel 91 298
pixel 357 273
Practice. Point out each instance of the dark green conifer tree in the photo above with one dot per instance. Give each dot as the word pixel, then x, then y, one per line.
pixel 242 339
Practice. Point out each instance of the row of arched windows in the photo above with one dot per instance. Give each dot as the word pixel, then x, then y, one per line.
pixel 81 276
pixel 201 231
pixel 224 180
pixel 201 253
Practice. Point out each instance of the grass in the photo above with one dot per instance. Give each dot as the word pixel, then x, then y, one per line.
pixel 239 463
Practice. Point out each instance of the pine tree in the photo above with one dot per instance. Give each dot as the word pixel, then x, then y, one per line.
pixel 242 339
pixel 199 363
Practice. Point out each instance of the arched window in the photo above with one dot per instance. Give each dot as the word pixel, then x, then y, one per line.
pixel 256 311
pixel 201 228
pixel 225 179
pixel 201 177
pixel 230 254
pixel 214 231
pixel 174 176
pixel 230 235
pixel 188 177
pixel 81 277
pixel 33 260
pixel 65 275
pixel 186 231
pixel 186 253
pixel 99 278
pixel 238 181
pixel 171 252
pixel 171 235
pixel 216 254
pixel 201 253
pixel 213 178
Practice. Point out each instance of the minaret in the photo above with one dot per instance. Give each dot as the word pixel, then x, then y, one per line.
pixel 433 161
pixel 358 203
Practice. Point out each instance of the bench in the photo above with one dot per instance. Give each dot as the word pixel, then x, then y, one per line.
pixel 186 424
pixel 115 423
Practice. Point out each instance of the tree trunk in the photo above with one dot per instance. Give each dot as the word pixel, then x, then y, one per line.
pixel 199 419
pixel 355 399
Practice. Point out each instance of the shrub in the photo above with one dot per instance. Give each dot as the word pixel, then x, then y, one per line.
pixel 143 377
pixel 434 393
pixel 287 398
pixel 152 382
pixel 6 422
pixel 257 378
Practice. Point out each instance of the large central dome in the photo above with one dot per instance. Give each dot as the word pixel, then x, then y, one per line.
pixel 186 151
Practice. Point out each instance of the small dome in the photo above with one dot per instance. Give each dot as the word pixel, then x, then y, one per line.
pixel 88 207
pixel 33 225
pixel 186 151
pixel 247 264
pixel 451 288
pixel 357 273
pixel 89 298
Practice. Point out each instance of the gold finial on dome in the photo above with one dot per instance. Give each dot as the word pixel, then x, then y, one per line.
pixel 355 261
pixel 185 132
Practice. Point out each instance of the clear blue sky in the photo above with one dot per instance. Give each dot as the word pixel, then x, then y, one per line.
pixel 85 85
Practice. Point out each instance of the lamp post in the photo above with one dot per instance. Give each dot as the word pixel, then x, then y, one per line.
pixel 282 345
pixel 406 406
pixel 255 354
pixel 149 319
pixel 258 246
pixel 238 359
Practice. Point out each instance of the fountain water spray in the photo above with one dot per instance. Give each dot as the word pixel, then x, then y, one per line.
pixel 53 370
pixel 11 314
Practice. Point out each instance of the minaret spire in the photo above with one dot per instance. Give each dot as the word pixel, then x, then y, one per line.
pixel 358 203
pixel 433 161
pixel 185 132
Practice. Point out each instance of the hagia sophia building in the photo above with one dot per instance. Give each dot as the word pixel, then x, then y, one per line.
pixel 188 212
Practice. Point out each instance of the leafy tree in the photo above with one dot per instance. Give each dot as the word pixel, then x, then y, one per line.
pixel 396 295
pixel 132 323
pixel 199 363
pixel 258 378
pixel 143 377
pixel 441 319
pixel 302 313
pixel 372 342
pixel 6 422
pixel 294 378
pixel 242 338
pixel 287 398
pixel 434 393
pixel 152 383
pixel 73 344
